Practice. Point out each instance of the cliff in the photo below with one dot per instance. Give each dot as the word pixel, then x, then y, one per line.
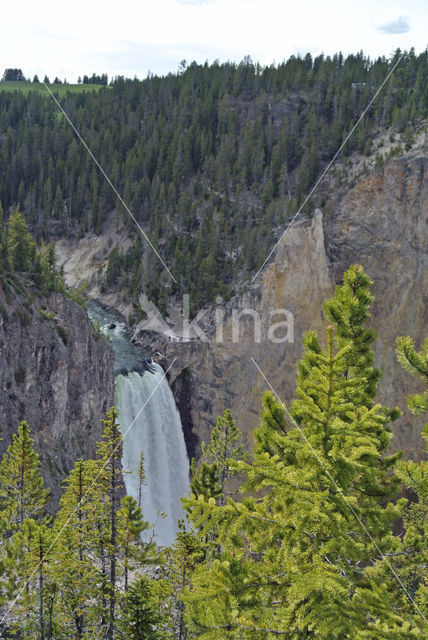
pixel 380 222
pixel 376 216
pixel 56 375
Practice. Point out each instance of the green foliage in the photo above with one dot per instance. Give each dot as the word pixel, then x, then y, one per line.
pixel 141 477
pixel 141 617
pixel 13 75
pixel 187 552
pixel 308 550
pixel 35 605
pixel 21 246
pixel 412 562
pixel 211 478
pixel 22 502
pixel 131 525
pixel 209 483
pixel 206 480
pixel 22 87
pixel 348 311
pixel 21 263
pixel 291 561
pixel 76 533
pixel 416 362
pixel 79 577
pixel 22 494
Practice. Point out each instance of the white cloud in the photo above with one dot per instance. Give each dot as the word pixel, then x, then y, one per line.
pixel 393 21
pixel 195 2
pixel 140 35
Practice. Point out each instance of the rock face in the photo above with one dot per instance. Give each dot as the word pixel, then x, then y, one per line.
pixel 222 372
pixel 56 375
pixel 380 223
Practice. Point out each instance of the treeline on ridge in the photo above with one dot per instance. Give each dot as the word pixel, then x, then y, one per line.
pixel 211 160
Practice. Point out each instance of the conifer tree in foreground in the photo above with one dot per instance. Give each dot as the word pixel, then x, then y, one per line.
pixel 131 526
pixel 293 561
pixel 22 494
pixel 140 618
pixel 110 481
pixel 35 608
pixel 71 580
pixel 25 536
pixel 411 564
pixel 75 533
pixel 209 480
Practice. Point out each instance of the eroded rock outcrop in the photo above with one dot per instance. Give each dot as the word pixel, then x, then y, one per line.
pixel 381 223
pixel 56 375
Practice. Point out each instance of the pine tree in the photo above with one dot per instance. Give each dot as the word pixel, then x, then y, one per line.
pixel 349 312
pixel 21 487
pixel 130 526
pixel 292 560
pixel 109 454
pixel 4 258
pixel 98 542
pixel 21 246
pixel 215 469
pixel 416 362
pixel 223 447
pixel 141 477
pixel 411 563
pixel 49 272
pixel 208 483
pixel 35 607
pixel 186 553
pixel 140 615
pixel 205 481
pixel 76 534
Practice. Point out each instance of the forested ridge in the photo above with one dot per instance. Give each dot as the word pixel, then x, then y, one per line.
pixel 212 161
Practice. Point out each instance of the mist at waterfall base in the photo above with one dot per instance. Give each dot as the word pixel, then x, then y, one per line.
pixel 150 423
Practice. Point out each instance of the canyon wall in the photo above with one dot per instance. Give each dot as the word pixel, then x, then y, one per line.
pixel 381 223
pixel 378 218
pixel 58 376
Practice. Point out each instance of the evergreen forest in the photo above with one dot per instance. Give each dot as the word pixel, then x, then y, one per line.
pixel 212 161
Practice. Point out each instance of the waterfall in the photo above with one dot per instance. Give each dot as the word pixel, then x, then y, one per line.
pixel 150 423
pixel 146 402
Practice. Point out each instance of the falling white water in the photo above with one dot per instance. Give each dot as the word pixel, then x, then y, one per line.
pixel 150 419
pixel 146 402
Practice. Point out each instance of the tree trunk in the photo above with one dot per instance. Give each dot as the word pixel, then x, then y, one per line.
pixel 41 603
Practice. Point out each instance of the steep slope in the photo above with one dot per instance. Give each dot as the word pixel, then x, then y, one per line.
pixel 56 375
pixel 381 223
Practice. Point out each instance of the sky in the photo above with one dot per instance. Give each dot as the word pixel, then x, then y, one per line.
pixel 135 37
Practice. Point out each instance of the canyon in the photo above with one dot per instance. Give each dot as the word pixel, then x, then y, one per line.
pixel 379 220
